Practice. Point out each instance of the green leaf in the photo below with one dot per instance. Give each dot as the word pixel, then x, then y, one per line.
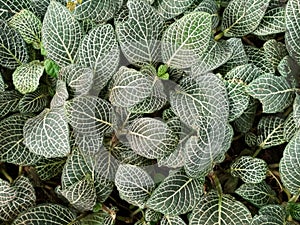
pixel 13 50
pixel 61 34
pixel 186 39
pixel 99 50
pixel 275 93
pixel 51 68
pixel 259 194
pixel 241 18
pixel 29 26
pixel 168 9
pixel 177 194
pixel 292 23
pixel 129 87
pixel 270 132
pixel 89 115
pixel 151 215
pixel 46 214
pixel 27 76
pixel 134 184
pixel 47 134
pixel 24 198
pixel 290 128
pixel 274 52
pixel 214 56
pixel 296 110
pixel 9 101
pixel 214 209
pixel 289 165
pixel 172 220
pixel 250 170
pixel 270 215
pixel 2 84
pixel 294 210
pixel 273 22
pixel 35 101
pixel 140 33
pixel 12 148
pixel 7 193
pixel 210 7
pixel 49 168
pixel 99 218
pixel 151 138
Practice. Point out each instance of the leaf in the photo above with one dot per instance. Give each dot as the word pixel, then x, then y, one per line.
pixel 9 101
pixel 61 95
pixel 275 93
pixel 274 51
pixel 259 194
pixel 214 209
pixel 100 53
pixel 9 8
pixel 88 144
pixel 89 115
pixel 24 198
pixel 177 194
pixel 296 110
pixel 51 68
pixel 12 148
pixel 241 18
pixel 99 218
pixel 27 76
pixel 293 209
pixel 151 215
pixel 290 128
pixel 35 101
pixel 140 33
pixel 13 50
pixel 78 78
pixel 172 220
pixel 61 34
pixel 210 7
pixel 250 170
pixel 134 184
pixel 151 138
pixel 292 23
pixel 7 193
pixel 200 97
pixel 94 10
pixel 186 39
pixel 29 26
pixel 168 9
pixel 270 132
pixel 289 166
pixel 2 84
pixel 214 56
pixel 270 214
pixel 273 22
pixel 129 87
pixel 46 214
pixel 49 168
pixel 48 134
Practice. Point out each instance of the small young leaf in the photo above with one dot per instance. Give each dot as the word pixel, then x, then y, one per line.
pixel 51 68
pixel 172 220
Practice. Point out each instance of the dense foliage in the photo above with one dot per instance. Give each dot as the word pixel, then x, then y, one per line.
pixel 149 112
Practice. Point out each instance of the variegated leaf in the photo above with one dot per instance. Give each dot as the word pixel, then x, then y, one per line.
pixel 9 101
pixel 168 9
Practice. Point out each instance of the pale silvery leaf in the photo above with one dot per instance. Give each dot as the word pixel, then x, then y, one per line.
pixel 296 110
pixel 78 78
pixel 24 198
pixel 250 170
pixel 81 195
pixel 186 39
pixel 168 9
pixel 7 193
pixel 290 128
pixel 129 87
pixel 48 134
pixel 35 101
pixel 214 209
pixel 99 11
pixel 9 101
pixel 259 194
pixel 172 220
pixel 289 68
pixel 2 84
pixel 89 115
pixel 12 149
pixel 140 33
pixel 244 73
pixel 292 23
pixel 241 18
pixel 289 166
pixel 151 215
pixel 88 144
pixel 29 26
pixel 214 56
pixel 61 34
pixel 177 194
pixel 60 96
pixel 27 76
pixel 49 168
pixel 210 7
pixel 198 98
pixel 270 132
pixel 274 52
pixel 151 138
pixel 274 92
pixel 46 214
pixel 134 184
pixel 273 22
pixel 13 50
pixel 99 50
pixel 270 215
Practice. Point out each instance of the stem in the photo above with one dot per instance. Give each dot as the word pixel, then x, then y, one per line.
pixel 6 175
pixel 219 36
pixel 276 179
pixel 20 170
pixel 257 151
pixel 217 184
pixel 295 197
pixel 136 212
pixel 274 166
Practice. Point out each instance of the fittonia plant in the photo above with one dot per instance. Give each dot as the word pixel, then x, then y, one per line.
pixel 149 112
